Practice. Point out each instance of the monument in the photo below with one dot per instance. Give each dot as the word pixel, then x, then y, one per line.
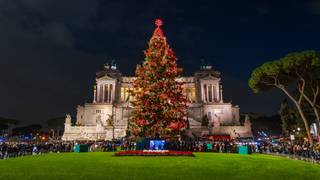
pixel 107 116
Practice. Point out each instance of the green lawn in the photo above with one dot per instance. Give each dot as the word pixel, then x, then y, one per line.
pixel 203 166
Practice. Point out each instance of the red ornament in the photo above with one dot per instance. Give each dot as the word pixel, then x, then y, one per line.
pixel 141 122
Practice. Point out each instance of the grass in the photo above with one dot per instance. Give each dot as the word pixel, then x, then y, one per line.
pixel 203 166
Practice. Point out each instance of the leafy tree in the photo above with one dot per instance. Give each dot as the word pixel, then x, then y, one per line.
pixel 305 67
pixel 312 98
pixel 288 74
pixel 260 122
pixel 290 118
pixel 3 126
pixel 27 129
pixel 55 125
pixel 57 122
pixel 8 121
pixel 159 106
pixel 285 116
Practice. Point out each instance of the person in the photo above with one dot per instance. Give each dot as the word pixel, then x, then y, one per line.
pixel 34 150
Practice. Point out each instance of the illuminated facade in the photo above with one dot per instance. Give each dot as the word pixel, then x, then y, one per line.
pixel 107 116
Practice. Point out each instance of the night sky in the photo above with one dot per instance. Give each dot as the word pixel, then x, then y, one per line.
pixel 51 49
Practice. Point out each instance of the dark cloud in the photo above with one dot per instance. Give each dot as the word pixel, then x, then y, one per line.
pixel 262 11
pixel 314 6
pixel 37 52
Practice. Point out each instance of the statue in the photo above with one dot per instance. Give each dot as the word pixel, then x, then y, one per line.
pixel 247 121
pixel 68 119
pixel 110 120
pixel 113 64
pixel 216 121
pixel 205 121
pixel 98 120
pixel 107 66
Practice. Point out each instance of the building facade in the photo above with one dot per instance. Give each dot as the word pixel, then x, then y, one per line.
pixel 107 116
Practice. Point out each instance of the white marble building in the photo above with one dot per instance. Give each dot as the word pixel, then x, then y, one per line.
pixel 107 116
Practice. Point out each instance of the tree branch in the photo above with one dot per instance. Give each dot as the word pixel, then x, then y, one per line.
pixel 301 89
pixel 315 94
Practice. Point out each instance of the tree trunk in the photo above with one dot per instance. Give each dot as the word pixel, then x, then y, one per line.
pixel 316 112
pixel 298 106
pixel 305 123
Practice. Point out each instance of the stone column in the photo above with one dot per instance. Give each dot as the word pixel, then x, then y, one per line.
pixel 94 94
pixel 208 93
pixel 124 94
pixel 221 99
pixel 113 92
pixel 202 92
pixel 188 93
pixel 212 93
pixel 217 91
pixel 103 92
pixel 108 93
pixel 98 92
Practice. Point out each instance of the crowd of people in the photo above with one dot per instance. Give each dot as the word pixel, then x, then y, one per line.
pixel 298 150
pixel 203 146
pixel 17 149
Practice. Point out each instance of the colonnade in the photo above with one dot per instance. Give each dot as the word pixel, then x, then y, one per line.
pixel 104 93
pixel 211 92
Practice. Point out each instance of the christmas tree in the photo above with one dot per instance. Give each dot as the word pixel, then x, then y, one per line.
pixel 159 105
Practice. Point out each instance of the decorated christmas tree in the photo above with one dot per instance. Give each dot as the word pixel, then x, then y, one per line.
pixel 159 105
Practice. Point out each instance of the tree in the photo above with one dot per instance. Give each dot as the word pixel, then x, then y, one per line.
pixel 285 116
pixel 3 126
pixel 55 125
pixel 311 95
pixel 6 123
pixel 27 129
pixel 288 116
pixel 290 73
pixel 56 122
pixel 262 123
pixel 305 68
pixel 159 105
